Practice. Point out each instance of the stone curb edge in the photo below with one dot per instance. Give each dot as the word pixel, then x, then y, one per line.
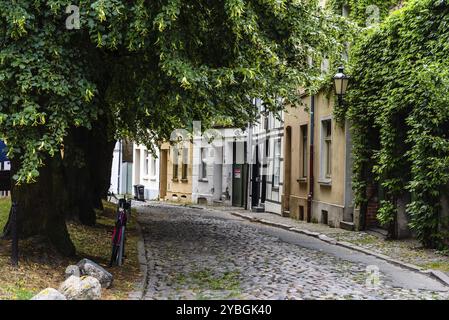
pixel 141 256
pixel 438 275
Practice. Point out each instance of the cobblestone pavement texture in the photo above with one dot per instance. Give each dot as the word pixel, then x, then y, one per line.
pixel 406 250
pixel 202 254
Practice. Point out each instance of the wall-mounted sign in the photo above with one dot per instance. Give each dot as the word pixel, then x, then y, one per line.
pixel 237 173
pixel 3 156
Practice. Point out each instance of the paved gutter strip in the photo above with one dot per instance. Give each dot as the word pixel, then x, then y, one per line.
pixel 141 256
pixel 440 276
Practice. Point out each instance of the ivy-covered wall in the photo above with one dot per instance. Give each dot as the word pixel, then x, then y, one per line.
pixel 398 105
pixel 365 12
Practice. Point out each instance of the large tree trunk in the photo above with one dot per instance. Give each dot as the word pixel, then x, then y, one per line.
pixel 40 207
pixel 87 169
pixel 101 151
pixel 69 188
pixel 78 177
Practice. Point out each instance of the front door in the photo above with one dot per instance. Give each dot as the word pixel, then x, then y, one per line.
pixel 255 181
pixel 163 174
pixel 239 175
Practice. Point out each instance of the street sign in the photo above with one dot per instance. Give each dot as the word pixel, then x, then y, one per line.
pixel 3 156
pixel 237 173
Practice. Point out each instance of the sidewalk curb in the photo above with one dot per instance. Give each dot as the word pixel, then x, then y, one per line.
pixel 438 275
pixel 141 256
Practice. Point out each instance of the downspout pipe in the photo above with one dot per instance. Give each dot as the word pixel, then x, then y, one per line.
pixel 311 158
pixel 119 165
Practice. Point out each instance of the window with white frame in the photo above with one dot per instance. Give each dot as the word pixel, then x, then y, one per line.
pixel 203 164
pixel 326 148
pixel 153 166
pixel 145 163
pixel 277 164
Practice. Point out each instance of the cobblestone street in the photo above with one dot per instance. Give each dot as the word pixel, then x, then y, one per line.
pixel 202 254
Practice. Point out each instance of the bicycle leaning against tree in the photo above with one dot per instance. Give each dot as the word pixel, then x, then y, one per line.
pixel 118 235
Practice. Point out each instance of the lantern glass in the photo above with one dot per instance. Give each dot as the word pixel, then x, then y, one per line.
pixel 341 82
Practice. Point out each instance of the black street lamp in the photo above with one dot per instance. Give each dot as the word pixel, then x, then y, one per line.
pixel 341 82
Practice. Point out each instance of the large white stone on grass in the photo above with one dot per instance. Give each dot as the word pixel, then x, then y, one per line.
pixel 90 268
pixel 84 288
pixel 49 294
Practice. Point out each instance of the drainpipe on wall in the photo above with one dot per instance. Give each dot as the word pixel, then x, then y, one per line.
pixel 248 164
pixel 119 166
pixel 311 158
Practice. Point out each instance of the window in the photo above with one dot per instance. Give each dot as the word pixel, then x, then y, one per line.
pixel 153 166
pixel 203 165
pixel 345 53
pixel 175 163
pixel 267 147
pixel 325 65
pixel 304 159
pixel 345 11
pixel 145 162
pixel 277 164
pixel 185 163
pixel 326 149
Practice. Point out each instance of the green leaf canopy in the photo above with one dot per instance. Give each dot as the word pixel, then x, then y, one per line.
pixel 151 66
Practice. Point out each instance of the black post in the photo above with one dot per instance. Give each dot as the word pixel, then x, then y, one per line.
pixel 15 238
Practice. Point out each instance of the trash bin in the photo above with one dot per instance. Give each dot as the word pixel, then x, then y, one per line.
pixel 139 192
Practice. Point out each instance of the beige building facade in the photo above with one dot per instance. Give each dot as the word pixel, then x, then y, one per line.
pixel 176 172
pixel 317 164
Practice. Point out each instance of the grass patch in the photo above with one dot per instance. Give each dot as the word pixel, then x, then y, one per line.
pixel 206 280
pixel 5 204
pixel 365 240
pixel 437 265
pixel 41 267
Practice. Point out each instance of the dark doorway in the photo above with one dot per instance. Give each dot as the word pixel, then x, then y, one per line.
pixel 264 172
pixel 255 181
pixel 263 196
pixel 239 174
pixel 163 174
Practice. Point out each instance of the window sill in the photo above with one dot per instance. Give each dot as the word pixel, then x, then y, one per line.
pixel 153 179
pixel 184 180
pixel 175 180
pixel 325 182
pixel 203 180
pixel 276 189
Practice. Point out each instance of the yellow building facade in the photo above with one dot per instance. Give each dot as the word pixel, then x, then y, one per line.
pixel 317 169
pixel 176 167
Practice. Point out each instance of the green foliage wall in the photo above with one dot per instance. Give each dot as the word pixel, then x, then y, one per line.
pixel 399 109
pixel 365 11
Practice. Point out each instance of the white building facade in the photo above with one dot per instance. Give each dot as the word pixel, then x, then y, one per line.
pixel 266 169
pixel 146 168
pixel 122 168
pixel 215 163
